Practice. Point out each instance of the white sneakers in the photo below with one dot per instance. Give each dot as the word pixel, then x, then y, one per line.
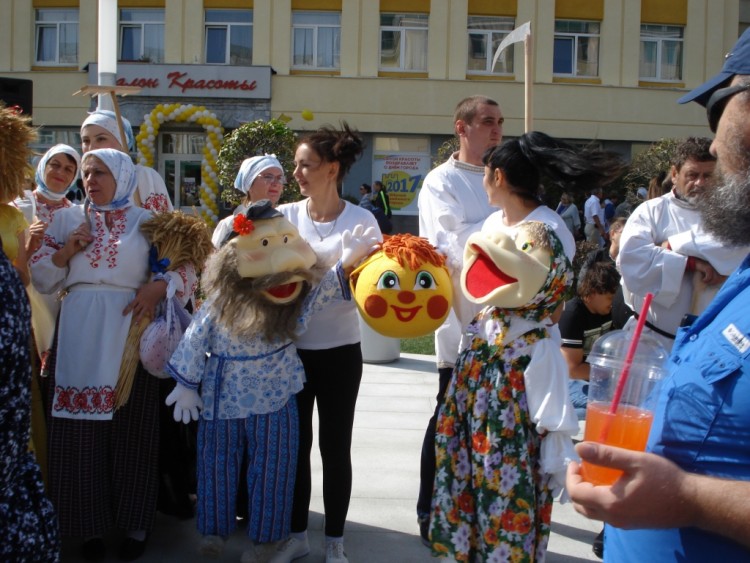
pixel 335 552
pixel 291 549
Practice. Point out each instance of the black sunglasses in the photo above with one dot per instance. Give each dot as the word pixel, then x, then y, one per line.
pixel 718 101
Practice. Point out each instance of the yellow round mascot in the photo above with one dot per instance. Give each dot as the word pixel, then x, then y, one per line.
pixel 403 290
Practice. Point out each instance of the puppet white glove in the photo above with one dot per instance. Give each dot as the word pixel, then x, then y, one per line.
pixel 357 244
pixel 187 403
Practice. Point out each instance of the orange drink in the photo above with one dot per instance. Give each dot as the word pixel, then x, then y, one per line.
pixel 628 428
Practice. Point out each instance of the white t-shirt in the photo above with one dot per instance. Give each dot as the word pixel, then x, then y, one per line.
pixel 337 324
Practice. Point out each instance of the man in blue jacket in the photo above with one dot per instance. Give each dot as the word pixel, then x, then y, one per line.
pixel 687 499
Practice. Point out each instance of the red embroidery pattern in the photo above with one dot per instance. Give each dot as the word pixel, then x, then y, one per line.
pixel 156 202
pixel 97 249
pixel 91 400
pixel 45 212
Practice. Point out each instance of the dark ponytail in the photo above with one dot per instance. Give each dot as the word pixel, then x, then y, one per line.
pixel 344 146
pixel 535 158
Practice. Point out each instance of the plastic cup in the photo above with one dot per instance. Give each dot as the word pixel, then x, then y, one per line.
pixel 628 425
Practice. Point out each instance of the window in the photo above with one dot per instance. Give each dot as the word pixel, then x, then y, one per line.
pixel 316 40
pixel 485 35
pixel 142 35
pixel 403 42
pixel 57 36
pixel 661 53
pixel 576 48
pixel 229 37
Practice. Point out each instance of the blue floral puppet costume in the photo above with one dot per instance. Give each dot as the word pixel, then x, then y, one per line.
pixel 238 364
pixel 504 433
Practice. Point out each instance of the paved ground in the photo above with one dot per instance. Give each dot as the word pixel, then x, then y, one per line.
pixel 395 403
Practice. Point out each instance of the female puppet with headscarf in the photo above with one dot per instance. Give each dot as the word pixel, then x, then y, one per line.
pixel 503 436
pixel 100 131
pixel 259 178
pixel 103 459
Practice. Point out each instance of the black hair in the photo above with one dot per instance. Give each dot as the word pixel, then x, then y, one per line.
pixel 598 277
pixel 536 157
pixel 343 145
pixel 693 148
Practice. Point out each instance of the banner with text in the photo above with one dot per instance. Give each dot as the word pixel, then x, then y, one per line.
pixel 402 175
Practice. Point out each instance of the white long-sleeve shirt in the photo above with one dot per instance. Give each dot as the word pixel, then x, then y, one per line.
pixel 647 267
pixel 452 205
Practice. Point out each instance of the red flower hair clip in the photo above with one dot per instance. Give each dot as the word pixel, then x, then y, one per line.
pixel 242 225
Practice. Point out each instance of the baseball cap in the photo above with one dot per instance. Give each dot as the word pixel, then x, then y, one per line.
pixel 737 61
pixel 642 192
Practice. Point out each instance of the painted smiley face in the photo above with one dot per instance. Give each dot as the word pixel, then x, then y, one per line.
pixel 399 301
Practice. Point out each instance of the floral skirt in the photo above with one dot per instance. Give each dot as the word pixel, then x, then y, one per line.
pixel 489 504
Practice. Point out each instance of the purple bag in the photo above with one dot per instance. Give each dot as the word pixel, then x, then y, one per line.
pixel 161 337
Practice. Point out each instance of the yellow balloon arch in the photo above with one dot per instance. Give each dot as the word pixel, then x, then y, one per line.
pixel 146 138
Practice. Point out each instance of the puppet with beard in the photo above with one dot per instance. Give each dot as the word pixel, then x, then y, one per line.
pixel 237 363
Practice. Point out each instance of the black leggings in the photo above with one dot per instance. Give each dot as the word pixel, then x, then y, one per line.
pixel 333 377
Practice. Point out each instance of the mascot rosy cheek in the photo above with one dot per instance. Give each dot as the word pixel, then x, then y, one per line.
pixel 403 290
pixel 504 434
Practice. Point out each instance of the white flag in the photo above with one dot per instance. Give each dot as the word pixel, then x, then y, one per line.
pixel 518 34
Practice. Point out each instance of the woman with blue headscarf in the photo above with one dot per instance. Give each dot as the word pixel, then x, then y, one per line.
pixel 102 459
pixel 101 131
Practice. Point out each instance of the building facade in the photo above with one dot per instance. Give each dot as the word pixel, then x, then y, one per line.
pixel 607 71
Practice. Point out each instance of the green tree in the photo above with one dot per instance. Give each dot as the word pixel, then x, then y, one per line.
pixel 647 164
pixel 257 138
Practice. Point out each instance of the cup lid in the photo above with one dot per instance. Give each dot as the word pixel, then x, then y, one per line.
pixel 611 349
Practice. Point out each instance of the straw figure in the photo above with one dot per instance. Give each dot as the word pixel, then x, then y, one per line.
pixel 180 241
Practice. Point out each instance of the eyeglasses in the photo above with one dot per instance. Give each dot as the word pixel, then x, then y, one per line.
pixel 273 179
pixel 718 101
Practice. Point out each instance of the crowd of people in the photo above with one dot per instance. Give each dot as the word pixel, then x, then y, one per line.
pixel 85 447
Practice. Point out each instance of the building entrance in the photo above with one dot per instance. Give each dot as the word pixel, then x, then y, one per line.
pixel 180 165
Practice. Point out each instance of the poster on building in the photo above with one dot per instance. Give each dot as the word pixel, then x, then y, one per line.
pixel 402 175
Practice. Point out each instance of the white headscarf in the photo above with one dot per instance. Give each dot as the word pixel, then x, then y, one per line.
pixel 123 170
pixel 42 185
pixel 251 168
pixel 108 120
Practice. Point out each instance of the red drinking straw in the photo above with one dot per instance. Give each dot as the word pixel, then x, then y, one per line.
pixel 626 366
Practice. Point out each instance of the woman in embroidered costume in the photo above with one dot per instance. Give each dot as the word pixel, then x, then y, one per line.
pixel 28 525
pixel 100 131
pixel 102 460
pixel 322 159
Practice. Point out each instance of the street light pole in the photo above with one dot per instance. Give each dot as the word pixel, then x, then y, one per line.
pixel 107 49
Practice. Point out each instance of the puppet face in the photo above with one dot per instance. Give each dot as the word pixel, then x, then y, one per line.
pixel 503 270
pixel 273 247
pixel 401 302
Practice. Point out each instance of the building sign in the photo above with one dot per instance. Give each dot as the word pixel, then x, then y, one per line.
pixel 194 81
pixel 402 175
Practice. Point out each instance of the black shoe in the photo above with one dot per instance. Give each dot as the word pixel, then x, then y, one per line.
pixel 424 530
pixel 598 546
pixel 93 549
pixel 131 549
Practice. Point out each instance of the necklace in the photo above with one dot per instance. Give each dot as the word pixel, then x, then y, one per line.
pixel 333 227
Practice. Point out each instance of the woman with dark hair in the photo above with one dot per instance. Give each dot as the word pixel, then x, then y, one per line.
pixel 515 171
pixel 330 348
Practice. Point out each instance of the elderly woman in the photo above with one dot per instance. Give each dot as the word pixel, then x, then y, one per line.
pixel 100 131
pixel 102 459
pixel 259 177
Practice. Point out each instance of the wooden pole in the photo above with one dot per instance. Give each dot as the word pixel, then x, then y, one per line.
pixel 123 137
pixel 528 120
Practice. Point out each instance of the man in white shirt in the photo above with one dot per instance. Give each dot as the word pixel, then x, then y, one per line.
pixel 452 206
pixel 593 214
pixel 664 249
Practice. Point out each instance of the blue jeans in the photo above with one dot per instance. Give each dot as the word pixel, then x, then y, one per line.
pixel 579 394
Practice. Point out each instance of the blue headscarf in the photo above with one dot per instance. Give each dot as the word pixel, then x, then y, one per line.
pixel 251 168
pixel 123 170
pixel 41 184
pixel 108 120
